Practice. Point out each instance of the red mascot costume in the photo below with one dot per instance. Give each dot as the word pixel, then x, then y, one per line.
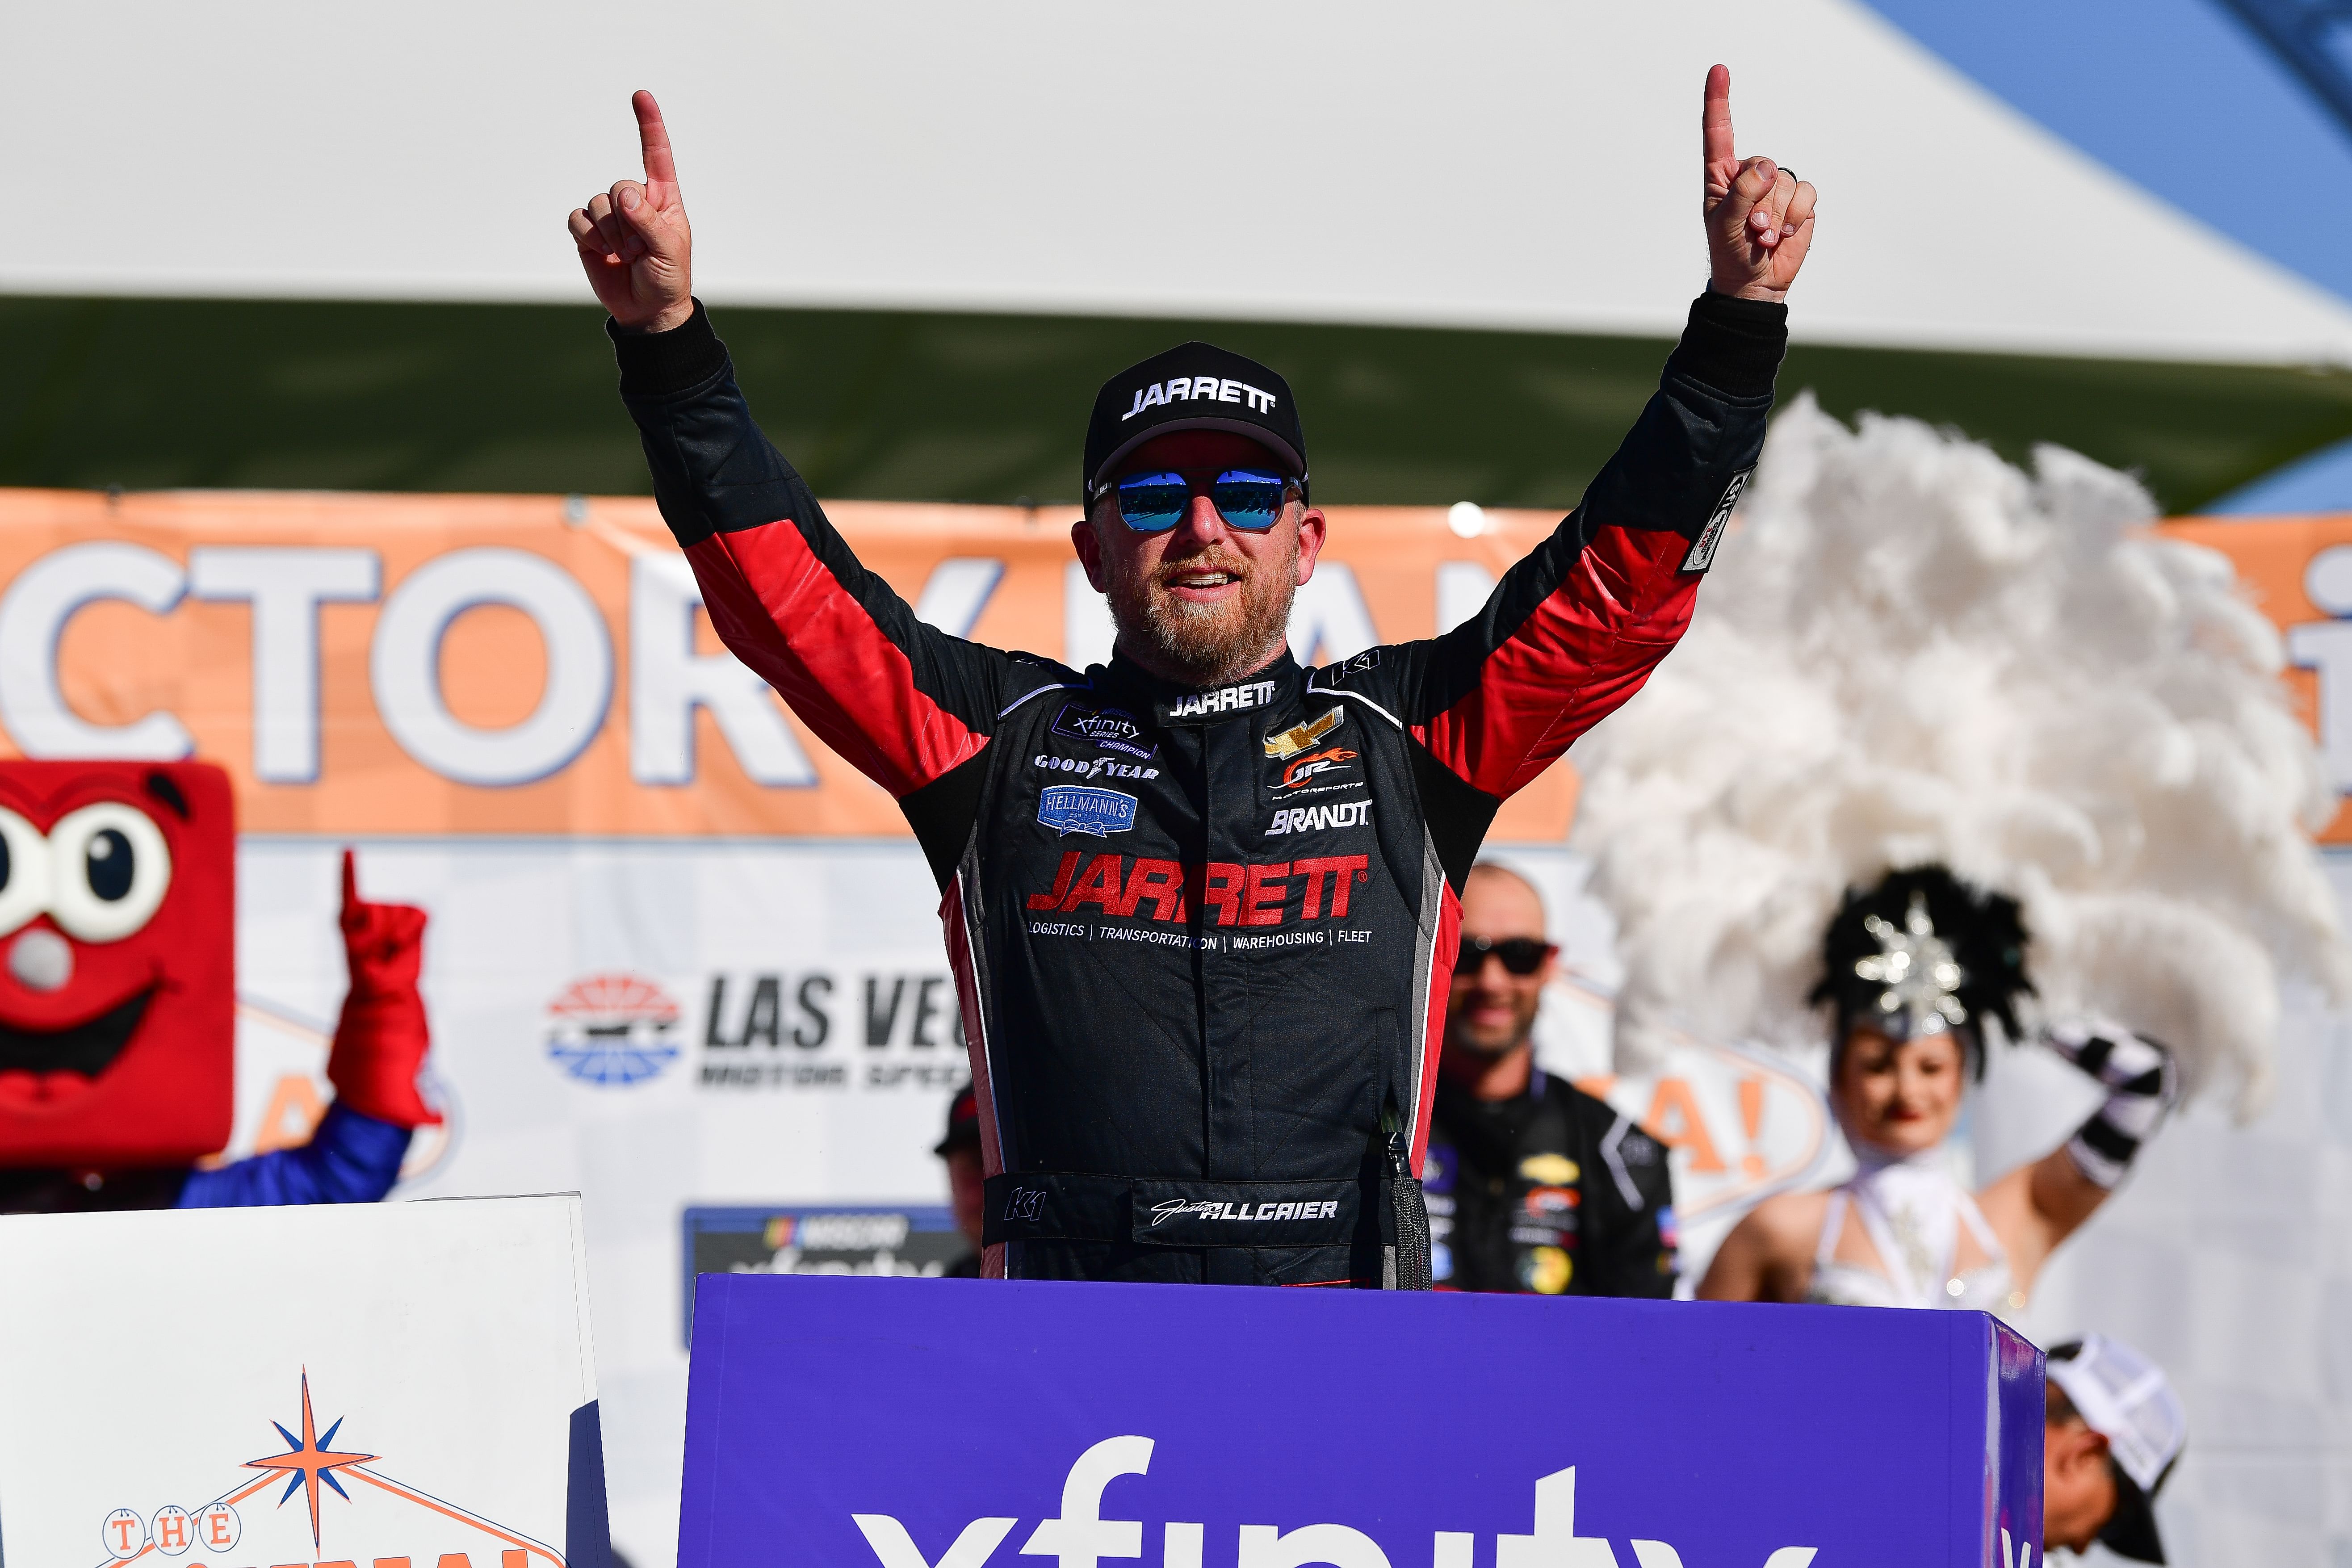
pixel 118 1004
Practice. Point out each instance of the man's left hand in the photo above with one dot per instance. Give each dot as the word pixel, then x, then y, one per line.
pixel 1759 217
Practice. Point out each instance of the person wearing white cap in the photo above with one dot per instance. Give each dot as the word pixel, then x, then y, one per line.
pixel 2115 1430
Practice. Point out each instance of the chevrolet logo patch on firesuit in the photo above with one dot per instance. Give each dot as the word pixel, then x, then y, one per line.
pixel 1302 737
pixel 1551 1170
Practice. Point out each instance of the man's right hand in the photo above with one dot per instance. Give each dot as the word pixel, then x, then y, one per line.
pixel 634 242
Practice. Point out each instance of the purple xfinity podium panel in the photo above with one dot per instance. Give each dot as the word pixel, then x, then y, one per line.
pixel 880 1423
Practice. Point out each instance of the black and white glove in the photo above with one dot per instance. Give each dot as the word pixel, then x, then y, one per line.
pixel 2143 1087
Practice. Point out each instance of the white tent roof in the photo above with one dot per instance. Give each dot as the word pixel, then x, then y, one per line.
pixel 1521 165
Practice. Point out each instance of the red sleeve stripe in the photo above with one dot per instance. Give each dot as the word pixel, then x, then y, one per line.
pixel 975 1034
pixel 1444 953
pixel 787 617
pixel 1587 647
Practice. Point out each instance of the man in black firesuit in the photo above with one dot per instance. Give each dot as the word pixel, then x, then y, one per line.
pixel 1533 1185
pixel 958 1150
pixel 1202 903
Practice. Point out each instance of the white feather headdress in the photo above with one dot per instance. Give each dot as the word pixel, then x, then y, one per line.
pixel 1909 652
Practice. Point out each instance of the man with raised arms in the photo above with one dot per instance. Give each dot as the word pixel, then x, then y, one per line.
pixel 1202 903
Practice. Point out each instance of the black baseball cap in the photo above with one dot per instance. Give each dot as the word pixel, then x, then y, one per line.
pixel 1192 386
pixel 963 1122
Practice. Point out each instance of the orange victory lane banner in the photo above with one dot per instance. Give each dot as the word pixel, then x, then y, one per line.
pixel 455 665
pixel 2298 570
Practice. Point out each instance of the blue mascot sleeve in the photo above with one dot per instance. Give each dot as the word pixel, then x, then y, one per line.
pixel 352 1158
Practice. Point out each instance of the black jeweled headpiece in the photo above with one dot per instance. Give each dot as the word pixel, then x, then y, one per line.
pixel 1923 953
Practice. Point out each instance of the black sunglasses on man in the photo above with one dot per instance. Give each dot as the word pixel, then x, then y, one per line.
pixel 1520 954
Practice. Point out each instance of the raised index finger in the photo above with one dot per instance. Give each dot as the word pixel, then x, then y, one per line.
pixel 1715 120
pixel 653 140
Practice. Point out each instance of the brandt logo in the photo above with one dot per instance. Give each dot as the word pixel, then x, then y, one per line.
pixel 1080 1535
pixel 1315 818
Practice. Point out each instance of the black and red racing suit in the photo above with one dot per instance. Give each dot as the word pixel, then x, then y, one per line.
pixel 1203 938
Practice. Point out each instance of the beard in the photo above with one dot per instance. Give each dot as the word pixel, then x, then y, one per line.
pixel 1207 644
pixel 1462 1036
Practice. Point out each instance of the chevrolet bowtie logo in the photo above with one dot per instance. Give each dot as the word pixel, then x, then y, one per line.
pixel 1302 737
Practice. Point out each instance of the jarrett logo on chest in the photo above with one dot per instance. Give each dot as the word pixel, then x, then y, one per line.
pixel 1233 699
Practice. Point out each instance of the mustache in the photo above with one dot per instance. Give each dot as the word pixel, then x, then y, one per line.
pixel 1236 566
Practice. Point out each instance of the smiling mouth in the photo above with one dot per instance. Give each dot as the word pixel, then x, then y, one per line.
pixel 87 1049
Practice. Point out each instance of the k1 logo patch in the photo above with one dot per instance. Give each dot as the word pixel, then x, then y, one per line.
pixel 1082 808
pixel 1702 550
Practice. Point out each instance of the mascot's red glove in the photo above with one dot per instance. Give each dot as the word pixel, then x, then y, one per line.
pixel 382 1038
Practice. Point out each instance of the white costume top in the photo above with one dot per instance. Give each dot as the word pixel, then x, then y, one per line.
pixel 1912 1211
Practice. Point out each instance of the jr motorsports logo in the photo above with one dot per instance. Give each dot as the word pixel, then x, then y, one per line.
pixel 615 1030
pixel 1080 1535
pixel 376 1517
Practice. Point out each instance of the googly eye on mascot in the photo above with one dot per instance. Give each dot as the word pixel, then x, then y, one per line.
pixel 118 1004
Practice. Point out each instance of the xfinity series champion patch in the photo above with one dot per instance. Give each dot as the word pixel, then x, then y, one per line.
pixel 1702 552
pixel 1112 729
pixel 1082 808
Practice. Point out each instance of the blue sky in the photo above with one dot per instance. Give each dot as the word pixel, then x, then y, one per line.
pixel 2177 97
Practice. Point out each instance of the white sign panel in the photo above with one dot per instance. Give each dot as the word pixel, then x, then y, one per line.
pixel 329 1385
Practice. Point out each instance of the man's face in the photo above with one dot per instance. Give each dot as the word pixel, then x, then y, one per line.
pixel 1202 603
pixel 1492 1011
pixel 2078 1489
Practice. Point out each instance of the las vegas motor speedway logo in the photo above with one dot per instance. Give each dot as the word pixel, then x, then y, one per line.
pixel 311 1466
pixel 1079 1537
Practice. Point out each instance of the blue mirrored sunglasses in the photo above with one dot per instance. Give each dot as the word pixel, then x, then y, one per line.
pixel 1247 499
